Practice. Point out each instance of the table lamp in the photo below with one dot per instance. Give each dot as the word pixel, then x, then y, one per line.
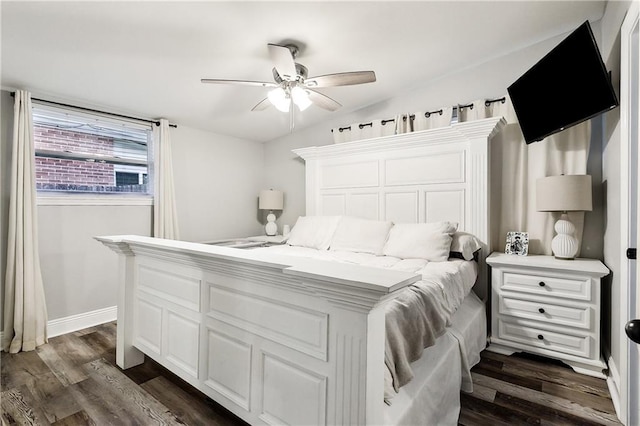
pixel 564 193
pixel 271 200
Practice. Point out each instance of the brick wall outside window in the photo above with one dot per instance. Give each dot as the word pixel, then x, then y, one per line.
pixel 68 140
pixel 60 174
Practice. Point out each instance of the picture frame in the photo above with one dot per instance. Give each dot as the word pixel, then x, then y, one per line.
pixel 517 243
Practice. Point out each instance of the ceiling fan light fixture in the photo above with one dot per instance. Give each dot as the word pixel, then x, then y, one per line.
pixel 300 98
pixel 293 86
pixel 279 98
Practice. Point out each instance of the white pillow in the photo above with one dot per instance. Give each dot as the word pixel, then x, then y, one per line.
pixel 430 241
pixel 361 235
pixel 465 244
pixel 313 231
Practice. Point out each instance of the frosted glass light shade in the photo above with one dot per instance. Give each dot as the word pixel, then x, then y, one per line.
pixel 279 98
pixel 300 98
pixel 564 193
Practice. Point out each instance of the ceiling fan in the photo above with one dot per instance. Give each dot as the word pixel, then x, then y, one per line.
pixel 292 84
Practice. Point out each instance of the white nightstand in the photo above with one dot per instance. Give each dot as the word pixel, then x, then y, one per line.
pixel 275 239
pixel 547 306
pixel 249 242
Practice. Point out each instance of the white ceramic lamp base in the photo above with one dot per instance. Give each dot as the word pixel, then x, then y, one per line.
pixel 271 228
pixel 564 245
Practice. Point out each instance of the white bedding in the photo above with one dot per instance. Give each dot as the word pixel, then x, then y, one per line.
pixel 364 259
pixel 433 397
pixel 419 314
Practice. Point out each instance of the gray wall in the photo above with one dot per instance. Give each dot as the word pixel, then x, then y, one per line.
pixel 610 49
pixel 285 171
pixel 80 274
pixel 217 180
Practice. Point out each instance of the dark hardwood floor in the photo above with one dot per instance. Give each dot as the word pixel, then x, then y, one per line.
pixel 74 381
pixel 523 389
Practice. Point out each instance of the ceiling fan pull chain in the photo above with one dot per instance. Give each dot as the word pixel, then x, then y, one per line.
pixel 291 117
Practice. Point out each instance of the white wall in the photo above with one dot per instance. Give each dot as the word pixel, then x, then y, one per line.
pixel 217 180
pixel 611 160
pixel 285 171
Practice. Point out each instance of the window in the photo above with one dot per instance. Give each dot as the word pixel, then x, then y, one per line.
pixel 84 153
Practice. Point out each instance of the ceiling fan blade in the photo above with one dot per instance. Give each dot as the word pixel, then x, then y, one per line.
pixel 341 79
pixel 323 101
pixel 283 61
pixel 262 105
pixel 239 82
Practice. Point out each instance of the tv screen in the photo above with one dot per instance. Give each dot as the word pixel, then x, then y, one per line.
pixel 566 87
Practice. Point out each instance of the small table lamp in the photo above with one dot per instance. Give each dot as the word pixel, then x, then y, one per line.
pixel 271 200
pixel 565 193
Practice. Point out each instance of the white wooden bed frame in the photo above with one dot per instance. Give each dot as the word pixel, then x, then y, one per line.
pixel 284 340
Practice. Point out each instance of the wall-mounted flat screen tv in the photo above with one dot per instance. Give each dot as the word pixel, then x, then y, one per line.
pixel 567 86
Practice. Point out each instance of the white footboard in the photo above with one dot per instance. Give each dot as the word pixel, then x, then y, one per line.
pixel 276 340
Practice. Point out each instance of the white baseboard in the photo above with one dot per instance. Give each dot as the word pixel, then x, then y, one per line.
pixel 73 323
pixel 613 383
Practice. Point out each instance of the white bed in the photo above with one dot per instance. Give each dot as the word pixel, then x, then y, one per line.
pixel 282 339
pixel 443 369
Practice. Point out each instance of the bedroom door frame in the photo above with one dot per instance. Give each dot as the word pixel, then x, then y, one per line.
pixel 630 194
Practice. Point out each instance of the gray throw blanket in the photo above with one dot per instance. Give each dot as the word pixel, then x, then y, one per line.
pixel 414 320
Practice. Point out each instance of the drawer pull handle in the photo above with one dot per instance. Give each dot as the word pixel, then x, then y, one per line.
pixel 541 284
pixel 541 310
pixel 540 337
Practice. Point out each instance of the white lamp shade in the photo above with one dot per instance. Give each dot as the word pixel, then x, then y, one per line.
pixel 270 200
pixel 565 193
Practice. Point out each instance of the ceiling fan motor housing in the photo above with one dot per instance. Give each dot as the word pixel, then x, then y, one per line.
pixel 301 74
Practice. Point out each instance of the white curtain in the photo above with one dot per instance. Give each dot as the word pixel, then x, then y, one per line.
pixel 473 111
pixel 341 134
pixel 515 168
pixel 387 127
pixel 425 120
pixel 25 310
pixel 364 130
pixel 403 124
pixel 371 129
pixel 165 219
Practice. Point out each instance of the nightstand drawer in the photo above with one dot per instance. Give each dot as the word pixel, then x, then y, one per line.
pixel 545 285
pixel 579 317
pixel 553 341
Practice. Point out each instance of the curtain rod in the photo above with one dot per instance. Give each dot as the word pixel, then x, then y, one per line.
pixel 157 123
pixel 426 114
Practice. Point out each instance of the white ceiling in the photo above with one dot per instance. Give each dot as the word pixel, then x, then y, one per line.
pixel 147 58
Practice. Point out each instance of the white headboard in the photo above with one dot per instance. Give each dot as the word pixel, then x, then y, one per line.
pixel 426 176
